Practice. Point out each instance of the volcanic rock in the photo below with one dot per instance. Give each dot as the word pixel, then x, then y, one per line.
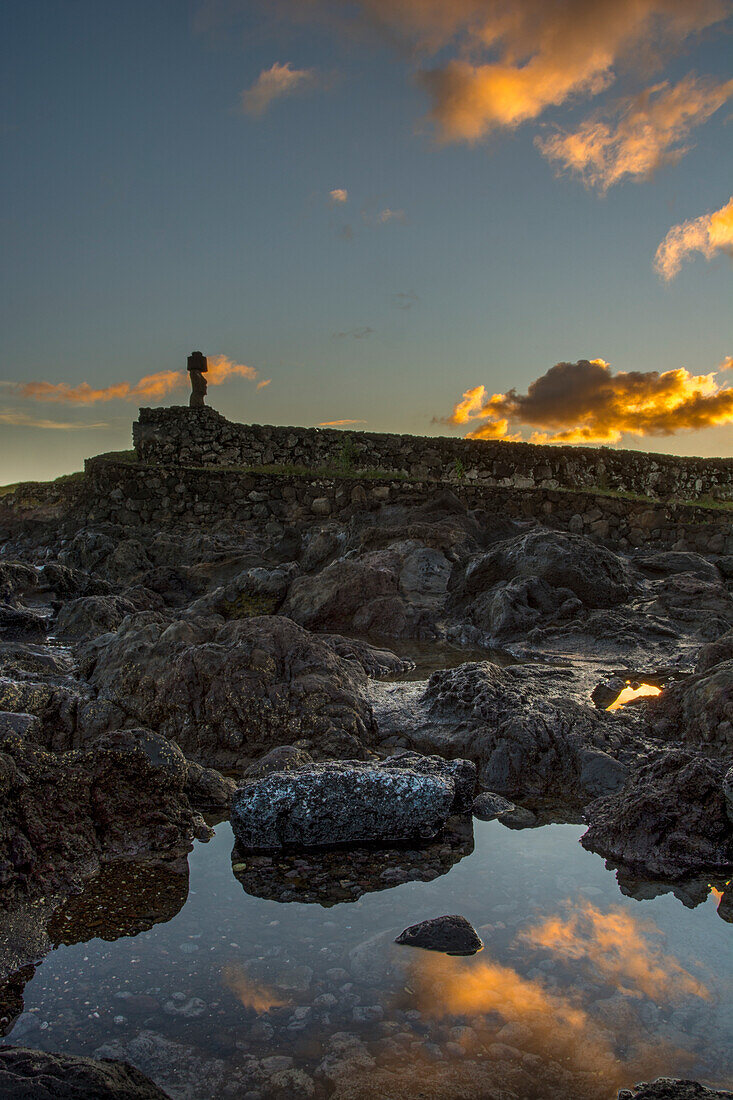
pixel 670 1088
pixel 670 819
pixel 339 803
pixel 453 935
pixel 36 1074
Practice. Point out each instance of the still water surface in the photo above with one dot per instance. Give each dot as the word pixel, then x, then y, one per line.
pixel 579 990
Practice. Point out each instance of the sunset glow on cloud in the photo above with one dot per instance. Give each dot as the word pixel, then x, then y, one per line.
pixel 151 387
pixel 707 234
pixel 515 58
pixel 276 83
pixel 585 402
pixel 648 131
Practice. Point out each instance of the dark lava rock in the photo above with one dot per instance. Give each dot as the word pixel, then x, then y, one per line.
pixel 375 662
pixel 208 790
pixel 23 726
pixel 597 576
pixel 346 874
pixel 16 579
pixel 669 819
pixel 37 1075
pixel 664 563
pixel 671 1088
pixel 227 693
pixel 453 935
pixel 607 692
pixel 715 653
pixel 20 624
pixel 698 709
pixel 59 815
pixel 487 806
pixel 90 616
pixel 283 758
pixel 518 818
pixel 339 802
pixel 526 738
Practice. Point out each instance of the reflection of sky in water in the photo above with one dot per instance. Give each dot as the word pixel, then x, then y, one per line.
pixel 578 987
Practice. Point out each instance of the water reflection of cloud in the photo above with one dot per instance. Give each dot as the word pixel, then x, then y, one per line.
pixel 251 993
pixel 618 947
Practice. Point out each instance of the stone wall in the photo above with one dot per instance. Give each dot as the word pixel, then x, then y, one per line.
pixel 136 493
pixel 202 437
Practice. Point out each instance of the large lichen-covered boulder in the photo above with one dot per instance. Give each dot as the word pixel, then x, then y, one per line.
pixel 339 802
pixel 27 1074
pixel 228 693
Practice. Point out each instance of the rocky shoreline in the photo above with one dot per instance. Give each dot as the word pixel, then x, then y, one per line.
pixel 149 678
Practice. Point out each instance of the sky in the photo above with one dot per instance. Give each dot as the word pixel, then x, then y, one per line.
pixel 508 219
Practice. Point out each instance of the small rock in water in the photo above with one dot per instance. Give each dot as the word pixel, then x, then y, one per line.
pixel 453 935
pixel 487 805
pixel 518 818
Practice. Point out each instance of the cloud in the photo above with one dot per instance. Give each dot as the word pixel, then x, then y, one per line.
pixel 339 423
pixel 150 387
pixel 405 299
pixel 388 215
pixel 263 382
pixel 708 234
pixel 619 948
pixel 649 131
pixel 354 333
pixel 275 83
pixel 23 420
pixel 509 60
pixel 338 195
pixel 585 402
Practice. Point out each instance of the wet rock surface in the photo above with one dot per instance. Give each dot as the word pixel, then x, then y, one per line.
pixel 669 1088
pixel 138 675
pixel 26 1074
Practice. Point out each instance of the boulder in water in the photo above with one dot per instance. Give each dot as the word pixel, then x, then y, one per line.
pixel 339 802
pixel 453 935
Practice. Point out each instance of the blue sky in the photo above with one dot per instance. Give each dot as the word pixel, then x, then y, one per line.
pixel 145 214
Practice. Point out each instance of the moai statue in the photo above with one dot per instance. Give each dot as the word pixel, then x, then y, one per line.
pixel 197 367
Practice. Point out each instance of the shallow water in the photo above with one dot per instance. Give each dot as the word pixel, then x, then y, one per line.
pixel 579 990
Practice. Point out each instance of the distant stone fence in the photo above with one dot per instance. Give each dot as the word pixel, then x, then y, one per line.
pixel 132 494
pixel 179 436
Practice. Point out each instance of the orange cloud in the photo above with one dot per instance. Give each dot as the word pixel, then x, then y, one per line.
pixel 338 195
pixel 23 420
pixel 649 132
pixel 707 234
pixel 585 402
pixel 512 59
pixel 275 83
pixel 339 423
pixel 617 946
pixel 150 387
